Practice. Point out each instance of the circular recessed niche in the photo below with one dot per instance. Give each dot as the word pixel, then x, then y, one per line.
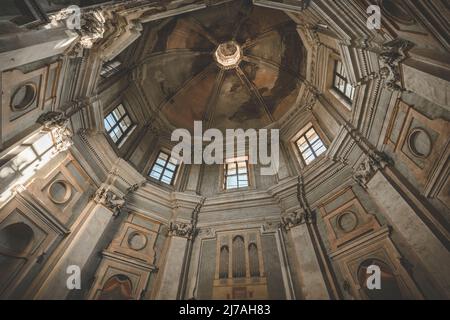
pixel 228 55
pixel 60 191
pixel 347 221
pixel 23 97
pixel 419 143
pixel 137 241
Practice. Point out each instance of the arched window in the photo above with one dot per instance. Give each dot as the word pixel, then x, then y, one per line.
pixel 118 287
pixel 238 257
pixel 223 263
pixel 389 287
pixel 15 241
pixel 253 260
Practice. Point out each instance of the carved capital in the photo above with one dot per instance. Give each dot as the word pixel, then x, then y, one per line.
pixel 88 25
pixel 58 124
pixel 181 229
pixel 270 227
pixel 109 199
pixel 367 168
pixel 92 28
pixel 293 219
pixel 392 54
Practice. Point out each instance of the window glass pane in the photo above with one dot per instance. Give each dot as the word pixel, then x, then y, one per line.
pixel 321 150
pixel 113 137
pixel 312 147
pixel 232 182
pixel 301 141
pixel 117 123
pixel 166 180
pixel 310 134
pixel 307 153
pixel 116 114
pixel 316 143
pixel 111 120
pixel 231 170
pixel 243 169
pixel 171 166
pixel 236 175
pixel 107 126
pixel 348 91
pixel 157 168
pixel 161 161
pixel 164 168
pixel 155 175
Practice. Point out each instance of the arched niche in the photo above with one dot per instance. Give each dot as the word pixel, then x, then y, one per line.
pixel 15 242
pixel 389 287
pixel 117 287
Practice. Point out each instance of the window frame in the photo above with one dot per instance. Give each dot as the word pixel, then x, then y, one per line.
pixel 303 134
pixel 237 174
pixel 117 123
pixel 164 168
pixel 344 78
pixel 110 68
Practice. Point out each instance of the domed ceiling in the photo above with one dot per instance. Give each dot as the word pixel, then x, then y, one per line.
pixel 232 66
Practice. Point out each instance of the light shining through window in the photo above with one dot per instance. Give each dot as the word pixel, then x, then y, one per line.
pixel 310 146
pixel 164 169
pixel 341 82
pixel 118 124
pixel 236 175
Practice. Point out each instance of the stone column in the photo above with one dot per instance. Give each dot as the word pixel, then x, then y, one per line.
pixel 171 277
pixel 81 244
pixel 312 281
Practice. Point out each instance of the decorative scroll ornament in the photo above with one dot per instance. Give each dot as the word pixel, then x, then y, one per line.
pixel 58 124
pixel 110 200
pixel 181 229
pixel 393 53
